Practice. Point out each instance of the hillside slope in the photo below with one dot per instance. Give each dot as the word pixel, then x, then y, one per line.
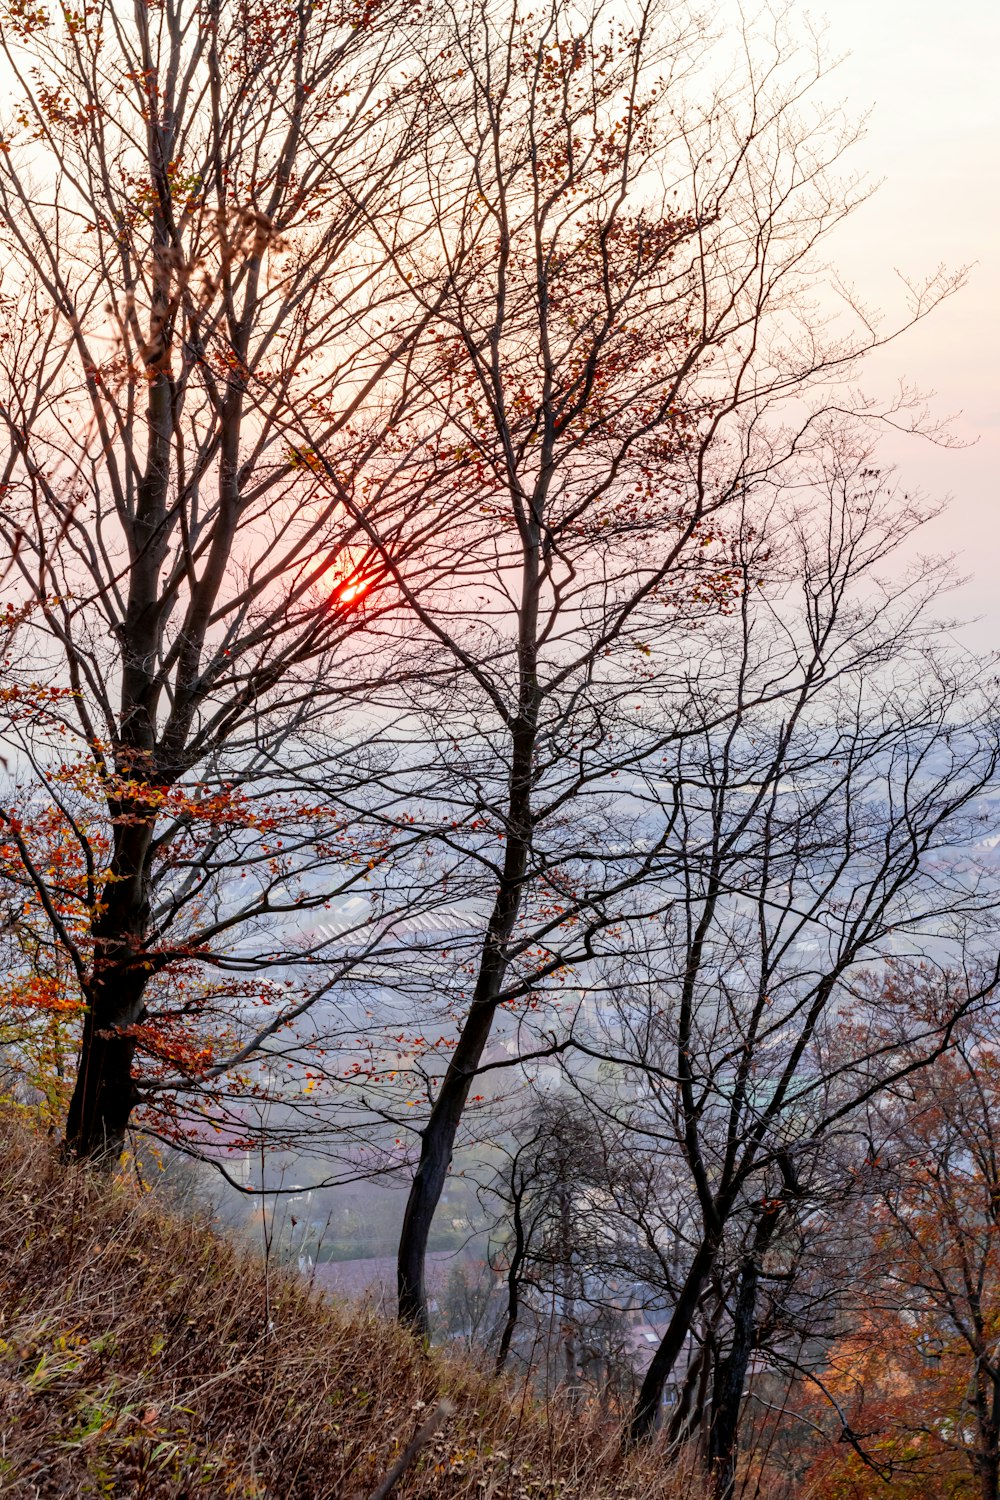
pixel 141 1355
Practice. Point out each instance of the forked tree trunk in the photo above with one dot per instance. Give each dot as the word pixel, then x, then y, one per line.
pixel 514 1271
pixel 730 1378
pixel 647 1406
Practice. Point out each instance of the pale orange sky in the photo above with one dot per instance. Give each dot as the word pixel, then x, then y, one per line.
pixel 932 73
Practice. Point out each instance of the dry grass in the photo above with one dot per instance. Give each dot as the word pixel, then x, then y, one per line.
pixel 141 1355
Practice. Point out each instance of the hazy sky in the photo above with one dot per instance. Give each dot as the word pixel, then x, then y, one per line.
pixel 932 73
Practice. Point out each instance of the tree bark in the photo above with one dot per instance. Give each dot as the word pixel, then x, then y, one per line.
pixel 987 1403
pixel 647 1404
pixel 437 1142
pixel 436 1147
pixel 105 1093
pixel 730 1378
pixel 513 1284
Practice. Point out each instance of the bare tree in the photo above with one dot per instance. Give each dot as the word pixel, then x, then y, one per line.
pixel 826 836
pixel 550 1248
pixel 630 311
pixel 188 196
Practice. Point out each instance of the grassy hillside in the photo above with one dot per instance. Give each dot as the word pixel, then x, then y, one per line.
pixel 141 1355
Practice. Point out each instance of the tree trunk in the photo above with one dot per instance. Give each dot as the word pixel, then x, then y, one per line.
pixel 514 1270
pixel 647 1406
pixel 988 1412
pixel 437 1141
pixel 105 1094
pixel 684 1419
pixel 436 1147
pixel 727 1395
pixel 510 1321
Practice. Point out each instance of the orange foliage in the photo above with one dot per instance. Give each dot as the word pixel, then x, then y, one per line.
pixel 918 1378
pixel 55 870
